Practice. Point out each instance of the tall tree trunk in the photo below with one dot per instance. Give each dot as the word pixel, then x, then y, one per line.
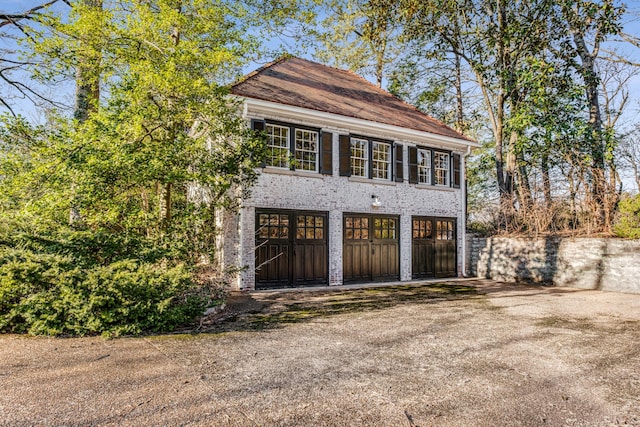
pixel 460 125
pixel 526 197
pixel 87 95
pixel 596 137
pixel 546 181
pixel 88 68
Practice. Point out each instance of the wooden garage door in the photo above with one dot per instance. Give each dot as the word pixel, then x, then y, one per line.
pixel 371 251
pixel 433 252
pixel 291 248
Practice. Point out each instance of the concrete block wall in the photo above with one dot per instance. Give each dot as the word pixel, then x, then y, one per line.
pixel 585 263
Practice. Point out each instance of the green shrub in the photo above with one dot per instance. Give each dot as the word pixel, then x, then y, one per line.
pixel 628 219
pixel 49 294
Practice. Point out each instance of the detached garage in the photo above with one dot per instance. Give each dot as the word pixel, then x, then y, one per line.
pixel 357 186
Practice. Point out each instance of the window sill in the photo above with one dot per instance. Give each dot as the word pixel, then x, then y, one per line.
pixel 371 181
pixel 435 187
pixel 282 171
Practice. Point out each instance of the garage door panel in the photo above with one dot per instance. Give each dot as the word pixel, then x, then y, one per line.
pixel 371 250
pixel 434 247
pixel 423 259
pixel 291 248
pixel 310 263
pixel 356 261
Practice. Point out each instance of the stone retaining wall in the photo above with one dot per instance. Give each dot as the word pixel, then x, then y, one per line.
pixel 586 263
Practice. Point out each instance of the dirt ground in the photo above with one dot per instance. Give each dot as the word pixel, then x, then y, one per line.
pixel 461 353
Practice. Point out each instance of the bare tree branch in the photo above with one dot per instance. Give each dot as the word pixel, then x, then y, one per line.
pixel 8 18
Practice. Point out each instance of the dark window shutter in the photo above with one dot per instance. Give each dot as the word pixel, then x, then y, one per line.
pixel 399 163
pixel 345 155
pixel 413 165
pixel 455 179
pixel 258 126
pixel 326 167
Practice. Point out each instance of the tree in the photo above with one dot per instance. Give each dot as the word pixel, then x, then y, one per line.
pixel 630 153
pixel 495 40
pixel 13 28
pixel 360 35
pixel 131 158
pixel 587 25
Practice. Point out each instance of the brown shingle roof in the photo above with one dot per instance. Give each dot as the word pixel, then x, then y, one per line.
pixel 301 83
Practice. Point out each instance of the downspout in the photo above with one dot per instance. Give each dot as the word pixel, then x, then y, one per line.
pixel 463 196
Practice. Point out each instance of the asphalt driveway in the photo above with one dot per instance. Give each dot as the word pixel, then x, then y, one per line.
pixel 460 353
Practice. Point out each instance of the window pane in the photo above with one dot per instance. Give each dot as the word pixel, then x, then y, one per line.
pixel 306 150
pixel 381 166
pixel 277 146
pixel 263 230
pixel 441 168
pixel 424 166
pixel 359 157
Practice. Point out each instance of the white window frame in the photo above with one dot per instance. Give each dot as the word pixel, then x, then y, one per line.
pixel 272 146
pixel 301 162
pixel 293 153
pixel 424 166
pixel 441 168
pixel 359 146
pixel 375 170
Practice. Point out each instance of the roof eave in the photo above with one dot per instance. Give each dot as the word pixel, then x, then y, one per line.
pixel 270 108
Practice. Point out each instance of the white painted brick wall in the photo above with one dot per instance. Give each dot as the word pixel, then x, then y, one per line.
pixel 277 188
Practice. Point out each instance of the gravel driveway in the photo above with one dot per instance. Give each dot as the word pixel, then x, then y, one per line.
pixel 459 353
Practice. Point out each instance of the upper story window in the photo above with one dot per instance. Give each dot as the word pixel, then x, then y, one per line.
pixel 295 147
pixel 359 157
pixel 441 168
pixel 424 166
pixel 306 143
pixel 381 160
pixel 368 158
pixel 277 146
pixel 433 167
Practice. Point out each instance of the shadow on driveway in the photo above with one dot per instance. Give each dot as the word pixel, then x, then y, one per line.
pixel 270 309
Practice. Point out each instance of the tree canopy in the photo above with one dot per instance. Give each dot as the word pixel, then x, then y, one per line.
pixel 139 145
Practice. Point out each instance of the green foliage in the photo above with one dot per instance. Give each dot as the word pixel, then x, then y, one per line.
pixel 49 294
pixel 104 219
pixel 628 220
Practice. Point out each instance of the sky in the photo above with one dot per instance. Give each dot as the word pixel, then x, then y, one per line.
pixel 26 108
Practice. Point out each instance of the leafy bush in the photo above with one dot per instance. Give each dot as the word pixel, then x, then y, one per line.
pixel 628 220
pixel 50 294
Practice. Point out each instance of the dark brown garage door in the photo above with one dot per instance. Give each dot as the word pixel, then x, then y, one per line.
pixel 371 250
pixel 291 248
pixel 433 251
